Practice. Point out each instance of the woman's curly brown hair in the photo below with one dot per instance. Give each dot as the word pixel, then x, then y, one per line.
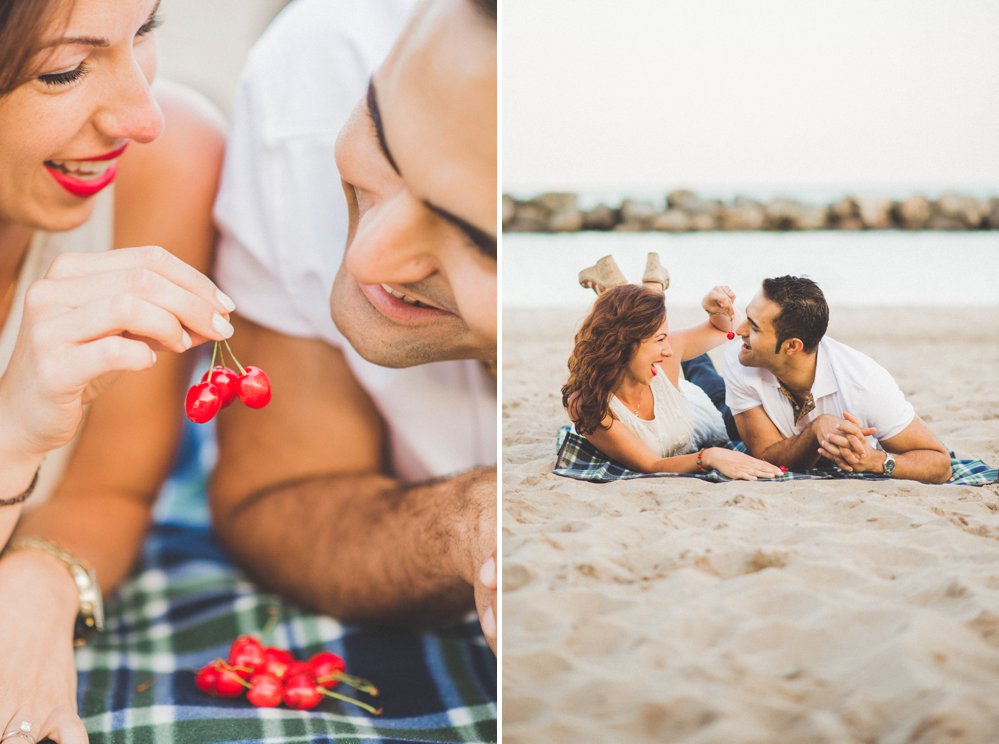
pixel 622 317
pixel 22 23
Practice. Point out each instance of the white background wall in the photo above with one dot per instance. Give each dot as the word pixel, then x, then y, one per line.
pixel 203 43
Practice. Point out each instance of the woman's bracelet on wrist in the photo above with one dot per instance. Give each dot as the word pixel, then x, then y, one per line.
pixel 27 492
pixel 700 462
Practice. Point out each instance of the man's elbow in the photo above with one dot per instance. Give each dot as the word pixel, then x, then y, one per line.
pixel 941 471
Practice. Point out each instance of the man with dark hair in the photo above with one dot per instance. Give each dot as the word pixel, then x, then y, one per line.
pixel 367 489
pixel 798 395
pixel 804 312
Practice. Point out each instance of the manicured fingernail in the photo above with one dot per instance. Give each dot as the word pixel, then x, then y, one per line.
pixel 489 623
pixel 154 355
pixel 185 340
pixel 487 574
pixel 222 326
pixel 226 301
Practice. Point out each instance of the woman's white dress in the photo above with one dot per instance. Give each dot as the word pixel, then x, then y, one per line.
pixel 683 420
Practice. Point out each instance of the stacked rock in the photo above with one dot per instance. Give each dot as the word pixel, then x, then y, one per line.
pixel 685 211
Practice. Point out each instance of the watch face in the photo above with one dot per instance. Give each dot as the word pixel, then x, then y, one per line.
pixel 889 464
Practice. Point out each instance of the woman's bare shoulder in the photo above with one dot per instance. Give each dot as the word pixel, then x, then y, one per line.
pixel 184 160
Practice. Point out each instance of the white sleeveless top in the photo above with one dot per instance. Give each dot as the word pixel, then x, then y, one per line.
pixel 671 431
pixel 96 234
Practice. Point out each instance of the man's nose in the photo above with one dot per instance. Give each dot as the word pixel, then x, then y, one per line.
pixel 393 243
pixel 743 329
pixel 129 109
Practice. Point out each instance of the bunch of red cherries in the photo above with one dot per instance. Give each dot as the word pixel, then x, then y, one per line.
pixel 220 385
pixel 270 676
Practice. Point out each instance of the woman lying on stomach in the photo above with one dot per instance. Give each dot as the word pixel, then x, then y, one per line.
pixel 624 388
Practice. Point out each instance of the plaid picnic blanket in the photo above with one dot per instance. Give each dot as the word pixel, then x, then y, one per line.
pixel 185 603
pixel 579 459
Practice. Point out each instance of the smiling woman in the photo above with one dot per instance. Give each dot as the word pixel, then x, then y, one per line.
pixel 90 338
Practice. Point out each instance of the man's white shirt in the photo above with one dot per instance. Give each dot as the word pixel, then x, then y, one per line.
pixel 283 223
pixel 846 380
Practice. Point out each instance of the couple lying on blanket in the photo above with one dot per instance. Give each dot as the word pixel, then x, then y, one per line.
pixel 797 399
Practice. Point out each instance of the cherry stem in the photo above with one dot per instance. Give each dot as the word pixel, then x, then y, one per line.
pixel 242 371
pixel 329 693
pixel 358 683
pixel 215 350
pixel 272 621
pixel 228 669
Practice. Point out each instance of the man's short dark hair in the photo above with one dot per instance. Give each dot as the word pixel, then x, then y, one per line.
pixel 804 313
pixel 487 8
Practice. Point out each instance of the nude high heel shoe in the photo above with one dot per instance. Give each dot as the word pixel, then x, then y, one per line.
pixel 604 274
pixel 655 275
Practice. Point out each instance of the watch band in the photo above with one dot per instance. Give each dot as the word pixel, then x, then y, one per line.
pixel 90 615
pixel 888 468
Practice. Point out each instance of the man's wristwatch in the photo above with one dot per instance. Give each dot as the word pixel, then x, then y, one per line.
pixel 90 616
pixel 889 465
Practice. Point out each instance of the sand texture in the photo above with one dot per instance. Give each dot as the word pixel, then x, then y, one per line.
pixel 676 610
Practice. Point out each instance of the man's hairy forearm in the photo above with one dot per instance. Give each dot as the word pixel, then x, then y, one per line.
pixel 364 548
pixel 799 452
pixel 928 466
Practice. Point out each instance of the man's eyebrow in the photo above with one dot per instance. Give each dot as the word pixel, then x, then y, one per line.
pixel 482 240
pixel 376 119
pixel 94 41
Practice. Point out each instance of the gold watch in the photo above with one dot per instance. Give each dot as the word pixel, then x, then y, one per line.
pixel 90 615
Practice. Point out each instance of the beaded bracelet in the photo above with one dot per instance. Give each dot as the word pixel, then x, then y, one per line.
pixel 25 495
pixel 700 463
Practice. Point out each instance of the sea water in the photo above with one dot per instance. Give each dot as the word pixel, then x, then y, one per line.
pixel 874 268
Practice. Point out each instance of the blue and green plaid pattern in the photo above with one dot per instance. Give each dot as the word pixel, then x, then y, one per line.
pixel 579 459
pixel 186 602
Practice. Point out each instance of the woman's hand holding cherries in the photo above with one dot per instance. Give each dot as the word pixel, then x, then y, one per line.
pixel 719 305
pixel 93 316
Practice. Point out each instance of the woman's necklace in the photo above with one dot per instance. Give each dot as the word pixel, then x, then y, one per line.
pixel 641 397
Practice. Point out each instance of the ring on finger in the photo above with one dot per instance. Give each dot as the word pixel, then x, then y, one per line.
pixel 23 731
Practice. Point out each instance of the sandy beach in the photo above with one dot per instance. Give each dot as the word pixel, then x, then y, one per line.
pixel 676 610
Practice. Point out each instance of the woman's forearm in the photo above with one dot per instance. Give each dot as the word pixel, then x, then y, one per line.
pixel 83 524
pixel 17 479
pixel 700 339
pixel 675 464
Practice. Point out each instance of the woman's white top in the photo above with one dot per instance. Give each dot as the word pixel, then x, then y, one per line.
pixel 671 431
pixel 96 234
pixel 709 426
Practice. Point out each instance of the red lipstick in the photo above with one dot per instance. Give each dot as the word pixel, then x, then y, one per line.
pixel 84 187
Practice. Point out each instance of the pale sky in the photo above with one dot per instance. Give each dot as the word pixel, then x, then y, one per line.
pixel 750 94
